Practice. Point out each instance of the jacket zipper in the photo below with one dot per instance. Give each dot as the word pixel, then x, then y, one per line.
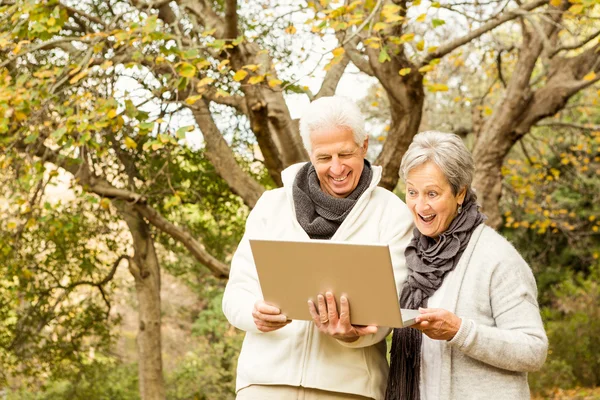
pixel 307 344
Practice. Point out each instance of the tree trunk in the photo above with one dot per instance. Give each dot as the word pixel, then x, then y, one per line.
pixel 145 269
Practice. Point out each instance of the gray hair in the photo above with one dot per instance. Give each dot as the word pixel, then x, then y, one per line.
pixel 447 151
pixel 330 113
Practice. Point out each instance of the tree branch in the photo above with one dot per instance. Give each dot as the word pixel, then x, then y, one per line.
pixel 332 78
pixel 222 158
pixel 219 269
pixel 231 19
pixel 588 127
pixel 508 16
pixel 577 45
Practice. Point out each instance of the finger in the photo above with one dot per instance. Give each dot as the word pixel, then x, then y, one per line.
pixel 271 324
pixel 344 311
pixel 269 317
pixel 322 309
pixel 313 313
pixel 267 308
pixel 366 330
pixel 331 308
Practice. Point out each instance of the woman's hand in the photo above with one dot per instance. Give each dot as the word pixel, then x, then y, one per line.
pixel 268 318
pixel 437 323
pixel 326 319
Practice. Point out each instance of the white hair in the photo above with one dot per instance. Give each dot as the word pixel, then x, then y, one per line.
pixel 447 151
pixel 330 113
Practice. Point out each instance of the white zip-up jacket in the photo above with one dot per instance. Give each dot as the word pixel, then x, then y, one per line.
pixel 298 354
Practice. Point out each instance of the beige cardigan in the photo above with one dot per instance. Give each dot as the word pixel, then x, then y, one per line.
pixel 501 337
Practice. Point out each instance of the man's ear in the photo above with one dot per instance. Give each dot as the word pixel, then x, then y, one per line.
pixel 365 145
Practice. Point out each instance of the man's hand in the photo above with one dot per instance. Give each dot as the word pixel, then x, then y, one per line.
pixel 268 318
pixel 326 319
pixel 437 323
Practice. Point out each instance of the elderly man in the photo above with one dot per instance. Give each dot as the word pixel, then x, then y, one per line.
pixel 334 196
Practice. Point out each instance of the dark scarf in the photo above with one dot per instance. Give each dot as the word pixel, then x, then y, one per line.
pixel 429 262
pixel 318 213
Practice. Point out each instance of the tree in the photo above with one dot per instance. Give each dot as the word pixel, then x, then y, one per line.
pixel 102 90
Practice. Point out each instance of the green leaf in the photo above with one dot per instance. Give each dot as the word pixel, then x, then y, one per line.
pixel 437 22
pixel 383 55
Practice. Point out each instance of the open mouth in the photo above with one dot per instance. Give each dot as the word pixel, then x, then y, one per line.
pixel 341 179
pixel 427 218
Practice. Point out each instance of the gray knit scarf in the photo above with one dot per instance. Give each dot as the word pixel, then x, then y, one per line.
pixel 318 213
pixel 429 262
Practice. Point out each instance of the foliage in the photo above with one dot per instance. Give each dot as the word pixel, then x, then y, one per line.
pixel 208 370
pixel 102 379
pixel 572 325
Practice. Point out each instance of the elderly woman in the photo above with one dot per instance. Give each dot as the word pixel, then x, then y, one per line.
pixel 479 331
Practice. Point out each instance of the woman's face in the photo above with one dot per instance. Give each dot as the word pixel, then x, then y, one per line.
pixel 430 199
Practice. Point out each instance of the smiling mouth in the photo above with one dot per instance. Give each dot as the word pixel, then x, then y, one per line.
pixel 427 218
pixel 342 179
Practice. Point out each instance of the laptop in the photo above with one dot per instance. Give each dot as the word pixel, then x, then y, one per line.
pixel 293 272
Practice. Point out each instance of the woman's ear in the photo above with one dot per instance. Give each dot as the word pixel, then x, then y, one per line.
pixel 461 195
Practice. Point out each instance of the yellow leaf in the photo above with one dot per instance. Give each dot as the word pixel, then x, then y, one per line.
pixel 590 77
pixel 222 64
pixel 290 29
pixel 576 8
pixel 432 49
pixel 130 143
pixel 394 18
pixel 421 18
pixel 339 51
pixel 202 64
pixel 416 3
pixel 222 93
pixel 404 71
pixel 251 67
pixel 209 32
pixel 240 75
pixel 112 113
pixel 407 37
pixel 438 87
pixel 426 68
pixel 51 21
pixel 192 99
pixel 421 45
pixel 256 79
pixel 205 81
pixel 11 225
pixel 274 82
pixel 105 203
pixel 78 77
pixel 555 3
pixel 379 26
pixel 487 111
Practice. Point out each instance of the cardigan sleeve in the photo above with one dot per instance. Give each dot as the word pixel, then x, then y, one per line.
pixel 518 341
pixel 243 288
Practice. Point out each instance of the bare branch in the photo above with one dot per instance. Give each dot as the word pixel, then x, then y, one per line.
pixel 42 46
pixel 577 45
pixel 231 19
pixel 508 16
pixel 83 14
pixel 587 127
pixel 221 156
pixel 332 78
pixel 198 250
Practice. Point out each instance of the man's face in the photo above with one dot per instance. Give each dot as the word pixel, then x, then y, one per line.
pixel 338 160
